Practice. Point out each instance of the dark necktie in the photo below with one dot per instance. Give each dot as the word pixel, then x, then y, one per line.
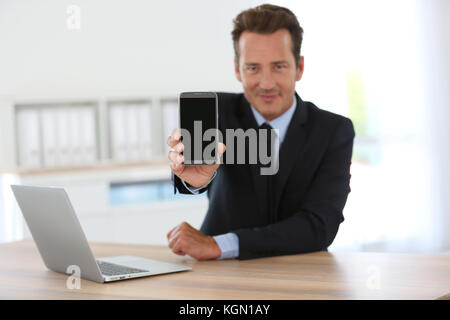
pixel 268 179
pixel 269 141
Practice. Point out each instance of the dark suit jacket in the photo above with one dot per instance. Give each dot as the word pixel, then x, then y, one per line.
pixel 310 188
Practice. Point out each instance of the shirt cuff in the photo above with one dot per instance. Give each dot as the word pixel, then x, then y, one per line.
pixel 196 190
pixel 228 244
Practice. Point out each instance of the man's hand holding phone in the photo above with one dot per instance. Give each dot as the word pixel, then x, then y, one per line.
pixel 195 175
pixel 192 163
pixel 185 239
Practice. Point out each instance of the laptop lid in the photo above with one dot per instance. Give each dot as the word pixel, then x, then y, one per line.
pixel 56 230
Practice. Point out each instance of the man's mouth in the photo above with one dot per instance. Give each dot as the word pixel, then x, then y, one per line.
pixel 268 98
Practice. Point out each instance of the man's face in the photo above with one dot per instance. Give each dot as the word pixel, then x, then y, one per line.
pixel 268 71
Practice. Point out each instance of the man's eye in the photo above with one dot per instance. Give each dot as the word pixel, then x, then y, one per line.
pixel 280 66
pixel 251 68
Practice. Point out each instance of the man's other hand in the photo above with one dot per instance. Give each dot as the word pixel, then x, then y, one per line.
pixel 196 176
pixel 185 239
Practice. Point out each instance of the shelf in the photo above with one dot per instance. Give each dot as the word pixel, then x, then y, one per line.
pixel 96 167
pixel 68 135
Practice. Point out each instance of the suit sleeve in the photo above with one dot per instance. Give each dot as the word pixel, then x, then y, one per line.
pixel 314 226
pixel 180 186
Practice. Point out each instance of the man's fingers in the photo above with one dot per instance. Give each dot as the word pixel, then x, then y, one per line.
pixel 175 157
pixel 180 246
pixel 178 237
pixel 169 234
pixel 177 169
pixel 175 229
pixel 174 138
pixel 180 252
pixel 171 142
pixel 179 147
pixel 221 148
pixel 175 245
pixel 174 238
pixel 176 134
pixel 185 225
pixel 175 232
pixel 176 162
pixel 176 248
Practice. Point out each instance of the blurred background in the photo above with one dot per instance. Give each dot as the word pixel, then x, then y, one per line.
pixel 88 96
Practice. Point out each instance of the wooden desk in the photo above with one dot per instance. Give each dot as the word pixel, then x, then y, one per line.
pixel 320 275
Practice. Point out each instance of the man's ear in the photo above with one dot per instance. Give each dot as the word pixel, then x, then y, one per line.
pixel 236 70
pixel 300 68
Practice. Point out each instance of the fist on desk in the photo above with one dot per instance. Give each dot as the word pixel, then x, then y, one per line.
pixel 185 239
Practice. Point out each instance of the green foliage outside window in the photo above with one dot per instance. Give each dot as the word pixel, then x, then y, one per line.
pixel 367 151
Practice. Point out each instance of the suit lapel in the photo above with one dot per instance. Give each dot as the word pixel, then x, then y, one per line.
pixel 248 121
pixel 290 151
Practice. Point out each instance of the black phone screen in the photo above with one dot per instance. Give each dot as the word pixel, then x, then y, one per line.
pixel 197 117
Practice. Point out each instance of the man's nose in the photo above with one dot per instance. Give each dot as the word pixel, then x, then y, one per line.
pixel 267 82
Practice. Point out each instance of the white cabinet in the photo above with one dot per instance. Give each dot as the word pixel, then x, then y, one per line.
pixel 74 133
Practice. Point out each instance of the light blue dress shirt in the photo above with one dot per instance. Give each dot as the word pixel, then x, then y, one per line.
pixel 229 242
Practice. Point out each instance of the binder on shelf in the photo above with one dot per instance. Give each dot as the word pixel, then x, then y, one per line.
pixel 145 132
pixel 49 135
pixel 130 131
pixel 63 137
pixel 117 133
pixel 28 135
pixel 88 137
pixel 74 131
pixel 170 119
pixel 69 135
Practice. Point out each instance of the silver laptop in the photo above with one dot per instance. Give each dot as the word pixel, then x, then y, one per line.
pixel 62 243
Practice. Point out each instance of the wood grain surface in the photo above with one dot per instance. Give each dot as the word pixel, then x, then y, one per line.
pixel 320 275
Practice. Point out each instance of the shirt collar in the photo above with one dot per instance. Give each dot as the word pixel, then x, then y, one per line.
pixel 281 123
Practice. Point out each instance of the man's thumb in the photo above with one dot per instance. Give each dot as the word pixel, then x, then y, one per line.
pixel 221 149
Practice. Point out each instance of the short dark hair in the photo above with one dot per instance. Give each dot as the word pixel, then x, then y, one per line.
pixel 267 19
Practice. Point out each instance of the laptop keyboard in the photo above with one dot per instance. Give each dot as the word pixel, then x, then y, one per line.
pixel 111 269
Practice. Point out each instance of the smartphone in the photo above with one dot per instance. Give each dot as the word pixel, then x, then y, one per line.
pixel 199 127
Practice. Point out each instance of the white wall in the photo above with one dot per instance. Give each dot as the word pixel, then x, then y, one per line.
pixel 122 47
pixel 436 32
pixel 7 159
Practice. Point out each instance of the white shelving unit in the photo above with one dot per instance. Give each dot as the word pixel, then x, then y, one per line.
pixel 74 133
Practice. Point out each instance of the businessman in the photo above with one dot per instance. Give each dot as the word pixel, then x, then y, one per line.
pixel 297 210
